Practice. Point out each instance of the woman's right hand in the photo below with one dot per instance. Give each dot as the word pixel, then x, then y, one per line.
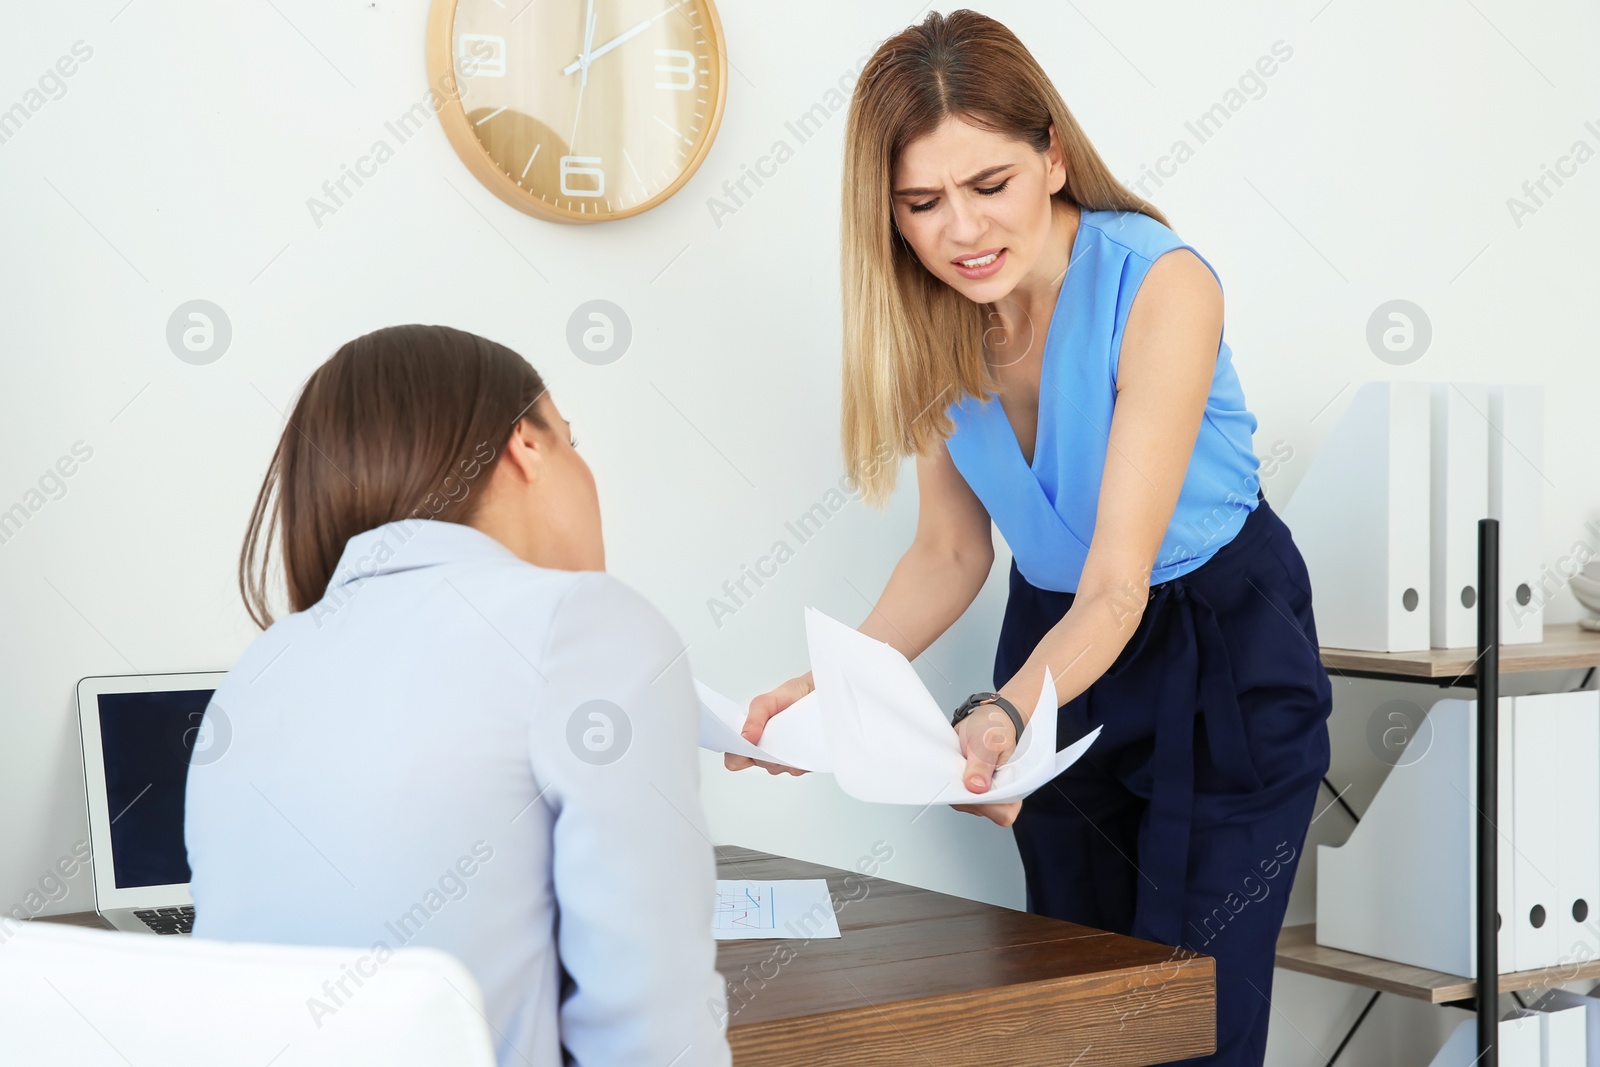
pixel 763 708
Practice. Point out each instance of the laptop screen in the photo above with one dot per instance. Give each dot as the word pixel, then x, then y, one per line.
pixel 146 740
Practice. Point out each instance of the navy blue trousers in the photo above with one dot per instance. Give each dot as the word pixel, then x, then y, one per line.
pixel 1185 821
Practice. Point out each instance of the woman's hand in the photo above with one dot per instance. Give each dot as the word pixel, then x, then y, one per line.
pixel 763 708
pixel 999 814
pixel 988 739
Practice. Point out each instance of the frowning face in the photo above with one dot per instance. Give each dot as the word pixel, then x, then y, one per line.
pixel 975 206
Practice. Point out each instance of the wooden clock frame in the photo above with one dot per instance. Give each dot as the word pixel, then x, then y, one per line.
pixel 444 81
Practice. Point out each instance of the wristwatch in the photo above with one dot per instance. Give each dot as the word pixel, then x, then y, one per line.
pixel 976 700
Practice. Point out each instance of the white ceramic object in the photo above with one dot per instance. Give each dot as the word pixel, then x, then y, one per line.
pixel 1585 586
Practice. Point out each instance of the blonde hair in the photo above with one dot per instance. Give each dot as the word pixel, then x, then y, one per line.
pixel 913 345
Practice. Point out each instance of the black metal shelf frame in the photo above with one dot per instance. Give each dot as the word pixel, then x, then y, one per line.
pixel 1486 684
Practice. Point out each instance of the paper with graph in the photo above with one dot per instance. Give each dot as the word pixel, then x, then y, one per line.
pixel 874 725
pixel 787 908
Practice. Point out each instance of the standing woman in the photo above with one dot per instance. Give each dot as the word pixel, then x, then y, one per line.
pixel 1052 354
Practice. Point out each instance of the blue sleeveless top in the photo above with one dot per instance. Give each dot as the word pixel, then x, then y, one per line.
pixel 1046 511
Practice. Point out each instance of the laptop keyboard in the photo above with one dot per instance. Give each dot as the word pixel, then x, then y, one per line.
pixel 168 920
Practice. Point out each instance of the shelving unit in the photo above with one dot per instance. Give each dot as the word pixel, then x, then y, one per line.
pixel 1565 647
pixel 1298 951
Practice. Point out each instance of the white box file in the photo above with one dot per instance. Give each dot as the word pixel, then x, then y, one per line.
pixel 1557 999
pixel 1563 1037
pixel 1518 1045
pixel 1459 497
pixel 1403 887
pixel 1555 829
pixel 1360 519
pixel 1516 497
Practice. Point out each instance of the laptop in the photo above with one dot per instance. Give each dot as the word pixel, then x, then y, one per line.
pixel 139 735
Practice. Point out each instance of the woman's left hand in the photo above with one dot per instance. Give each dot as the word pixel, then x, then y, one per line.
pixel 1000 814
pixel 988 739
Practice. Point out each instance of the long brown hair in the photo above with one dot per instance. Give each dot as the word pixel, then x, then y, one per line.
pixel 913 345
pixel 395 425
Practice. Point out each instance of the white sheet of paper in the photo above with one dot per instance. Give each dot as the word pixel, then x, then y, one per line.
pixel 793 737
pixel 889 742
pixel 784 908
pixel 874 725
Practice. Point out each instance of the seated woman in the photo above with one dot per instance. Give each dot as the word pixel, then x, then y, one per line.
pixel 466 735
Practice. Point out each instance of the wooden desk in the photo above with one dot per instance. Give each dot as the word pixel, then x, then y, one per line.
pixel 931 980
pixel 923 978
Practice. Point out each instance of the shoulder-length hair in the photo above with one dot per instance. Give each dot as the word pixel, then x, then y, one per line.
pixel 401 423
pixel 913 346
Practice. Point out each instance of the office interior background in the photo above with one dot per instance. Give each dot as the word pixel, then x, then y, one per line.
pixel 1435 151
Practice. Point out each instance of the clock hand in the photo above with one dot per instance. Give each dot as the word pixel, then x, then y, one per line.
pixel 627 35
pixel 588 44
pixel 624 36
pixel 577 112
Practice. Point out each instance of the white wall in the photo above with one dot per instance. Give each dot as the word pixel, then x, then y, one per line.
pixel 1374 164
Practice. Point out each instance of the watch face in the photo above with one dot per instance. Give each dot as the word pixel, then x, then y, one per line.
pixel 593 108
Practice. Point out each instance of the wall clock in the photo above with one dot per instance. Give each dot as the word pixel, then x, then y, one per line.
pixel 579 110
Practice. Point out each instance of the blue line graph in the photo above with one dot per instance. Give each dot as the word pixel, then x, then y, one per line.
pixel 749 907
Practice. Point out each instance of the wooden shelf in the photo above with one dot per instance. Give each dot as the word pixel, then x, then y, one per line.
pixel 1298 951
pixel 1566 646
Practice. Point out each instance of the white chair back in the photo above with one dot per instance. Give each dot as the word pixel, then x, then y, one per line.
pixel 92 997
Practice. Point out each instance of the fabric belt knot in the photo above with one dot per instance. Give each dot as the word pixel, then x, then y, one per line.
pixel 1187 643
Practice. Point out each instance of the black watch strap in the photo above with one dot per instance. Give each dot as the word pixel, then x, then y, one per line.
pixel 977 700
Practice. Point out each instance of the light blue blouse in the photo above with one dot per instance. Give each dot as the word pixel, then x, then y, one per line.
pixel 457 749
pixel 1046 510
